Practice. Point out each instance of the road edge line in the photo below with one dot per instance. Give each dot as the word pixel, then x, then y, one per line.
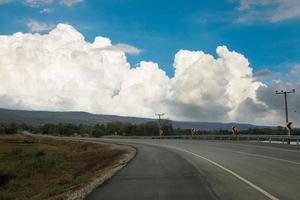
pixel 270 196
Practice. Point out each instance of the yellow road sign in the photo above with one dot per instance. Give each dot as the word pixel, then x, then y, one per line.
pixel 289 125
pixel 234 130
pixel 193 131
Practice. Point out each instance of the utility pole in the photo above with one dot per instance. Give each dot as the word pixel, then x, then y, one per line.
pixel 159 115
pixel 286 104
pixel 159 122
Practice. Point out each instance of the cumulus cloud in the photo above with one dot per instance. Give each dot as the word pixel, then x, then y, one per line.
pixel 260 73
pixel 212 85
pixel 35 26
pixel 62 71
pixel 123 47
pixel 256 112
pixel 267 10
pixel 275 103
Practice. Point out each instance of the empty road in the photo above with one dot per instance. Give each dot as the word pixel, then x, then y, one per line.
pixel 193 169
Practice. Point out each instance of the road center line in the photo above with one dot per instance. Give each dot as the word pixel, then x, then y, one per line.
pixel 267 157
pixel 265 147
pixel 259 156
pixel 270 196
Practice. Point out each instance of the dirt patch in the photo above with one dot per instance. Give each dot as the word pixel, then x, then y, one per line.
pixel 44 168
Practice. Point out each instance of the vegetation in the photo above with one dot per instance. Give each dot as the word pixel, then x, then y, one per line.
pixel 126 129
pixel 251 131
pixel 48 168
pixel 68 129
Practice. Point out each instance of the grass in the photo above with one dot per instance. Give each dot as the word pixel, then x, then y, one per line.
pixel 48 168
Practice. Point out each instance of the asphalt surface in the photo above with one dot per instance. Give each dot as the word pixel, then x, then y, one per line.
pixel 155 173
pixel 193 169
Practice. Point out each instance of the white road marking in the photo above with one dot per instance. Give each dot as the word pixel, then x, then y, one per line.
pixel 261 156
pixel 262 191
pixel 257 155
pixel 270 196
pixel 264 147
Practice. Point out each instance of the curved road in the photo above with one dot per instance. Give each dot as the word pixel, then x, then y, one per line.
pixel 192 169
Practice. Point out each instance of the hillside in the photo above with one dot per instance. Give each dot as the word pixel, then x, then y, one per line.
pixel 43 117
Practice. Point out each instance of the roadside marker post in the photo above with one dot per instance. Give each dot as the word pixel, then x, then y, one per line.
pixel 193 131
pixel 161 132
pixel 289 127
pixel 234 130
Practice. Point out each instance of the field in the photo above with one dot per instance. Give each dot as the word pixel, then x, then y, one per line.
pixel 51 169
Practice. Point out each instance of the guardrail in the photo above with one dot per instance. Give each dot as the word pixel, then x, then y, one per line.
pixel 266 138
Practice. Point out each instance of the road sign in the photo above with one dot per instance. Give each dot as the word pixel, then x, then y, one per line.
pixel 289 125
pixel 234 130
pixel 193 131
pixel 161 132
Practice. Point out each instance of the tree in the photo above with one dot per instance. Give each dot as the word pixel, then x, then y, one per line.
pixel 11 128
pixel 131 129
pixel 2 129
pixel 98 130
pixel 151 128
pixel 116 128
pixel 166 126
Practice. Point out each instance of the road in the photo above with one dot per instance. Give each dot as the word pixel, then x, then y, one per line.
pixel 193 169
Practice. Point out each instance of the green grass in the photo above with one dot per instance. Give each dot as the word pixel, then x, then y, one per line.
pixel 47 168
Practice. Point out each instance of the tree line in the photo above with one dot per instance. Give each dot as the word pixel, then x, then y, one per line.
pixel 98 130
pixel 126 129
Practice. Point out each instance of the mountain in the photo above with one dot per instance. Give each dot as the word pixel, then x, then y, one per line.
pixel 43 117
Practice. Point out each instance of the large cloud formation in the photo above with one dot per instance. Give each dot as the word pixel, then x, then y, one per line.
pixel 62 71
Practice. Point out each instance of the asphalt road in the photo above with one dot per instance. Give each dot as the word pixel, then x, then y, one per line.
pixel 193 169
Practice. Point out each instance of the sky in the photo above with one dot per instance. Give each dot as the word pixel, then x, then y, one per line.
pixel 194 60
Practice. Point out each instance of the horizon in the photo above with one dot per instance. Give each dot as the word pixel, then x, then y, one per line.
pixel 126 116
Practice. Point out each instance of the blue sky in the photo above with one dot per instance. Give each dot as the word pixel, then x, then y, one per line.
pixel 162 28
pixel 74 77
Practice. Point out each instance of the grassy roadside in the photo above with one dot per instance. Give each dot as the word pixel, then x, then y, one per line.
pixel 51 169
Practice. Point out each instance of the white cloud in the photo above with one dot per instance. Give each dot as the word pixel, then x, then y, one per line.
pixel 62 71
pixel 260 73
pixel 46 10
pixel 123 47
pixel 38 3
pixel 212 86
pixel 35 26
pixel 70 2
pixel 275 103
pixel 267 10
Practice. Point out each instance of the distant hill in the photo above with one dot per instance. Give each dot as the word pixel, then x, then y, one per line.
pixel 43 117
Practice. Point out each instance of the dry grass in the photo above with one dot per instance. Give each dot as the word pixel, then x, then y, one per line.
pixel 48 168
